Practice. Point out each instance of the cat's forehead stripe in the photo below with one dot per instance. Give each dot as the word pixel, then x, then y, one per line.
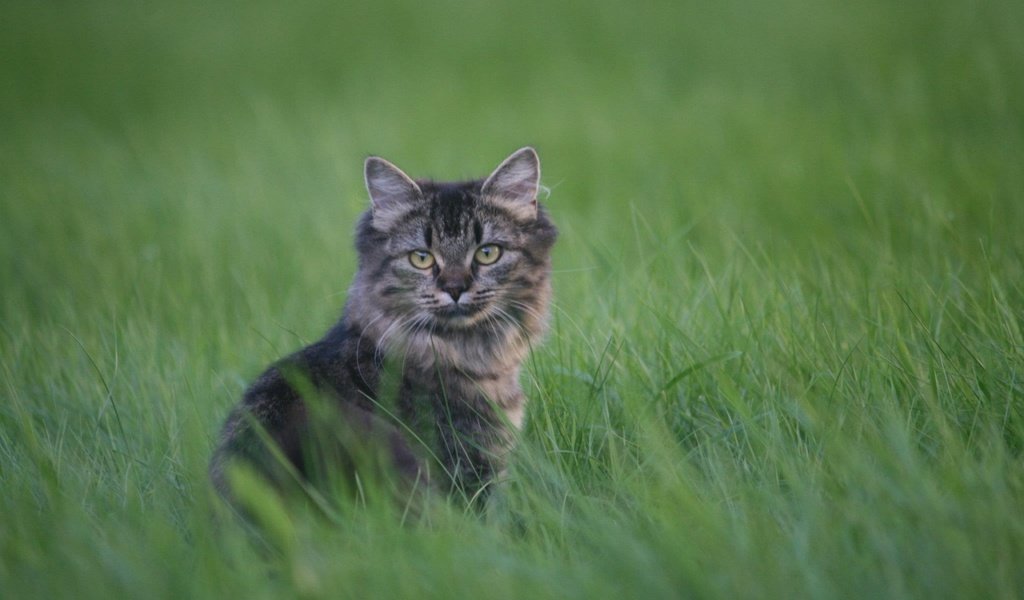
pixel 451 209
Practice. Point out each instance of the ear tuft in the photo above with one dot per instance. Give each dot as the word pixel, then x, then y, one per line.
pixel 392 192
pixel 514 184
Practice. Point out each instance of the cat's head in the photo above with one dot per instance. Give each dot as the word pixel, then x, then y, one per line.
pixel 450 258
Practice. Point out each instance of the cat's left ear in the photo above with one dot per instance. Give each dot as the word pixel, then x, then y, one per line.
pixel 514 184
pixel 392 192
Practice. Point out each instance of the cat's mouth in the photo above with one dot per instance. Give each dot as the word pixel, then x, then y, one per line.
pixel 459 314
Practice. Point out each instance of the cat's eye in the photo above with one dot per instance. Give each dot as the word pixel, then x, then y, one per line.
pixel 488 254
pixel 421 259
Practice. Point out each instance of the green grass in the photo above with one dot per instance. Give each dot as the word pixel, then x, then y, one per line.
pixel 787 357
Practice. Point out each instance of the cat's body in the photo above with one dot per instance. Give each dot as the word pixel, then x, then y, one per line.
pixel 453 286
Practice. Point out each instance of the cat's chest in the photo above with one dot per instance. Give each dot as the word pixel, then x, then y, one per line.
pixel 497 399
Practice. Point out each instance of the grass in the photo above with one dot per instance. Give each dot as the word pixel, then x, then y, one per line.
pixel 787 357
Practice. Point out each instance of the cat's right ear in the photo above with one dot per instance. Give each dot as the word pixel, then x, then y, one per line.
pixel 392 192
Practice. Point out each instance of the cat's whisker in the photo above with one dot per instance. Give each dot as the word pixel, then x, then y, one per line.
pixel 505 321
pixel 420 324
pixel 393 328
pixel 492 321
pixel 529 310
pixel 512 321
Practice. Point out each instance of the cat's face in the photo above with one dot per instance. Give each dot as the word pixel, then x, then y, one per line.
pixel 444 258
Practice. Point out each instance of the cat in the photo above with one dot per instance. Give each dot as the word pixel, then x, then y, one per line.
pixel 422 370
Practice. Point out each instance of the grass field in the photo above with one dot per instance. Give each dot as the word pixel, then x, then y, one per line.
pixel 787 356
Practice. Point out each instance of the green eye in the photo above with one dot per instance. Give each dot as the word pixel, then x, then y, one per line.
pixel 487 255
pixel 421 259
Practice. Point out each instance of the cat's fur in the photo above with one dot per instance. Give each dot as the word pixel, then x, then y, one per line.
pixel 455 336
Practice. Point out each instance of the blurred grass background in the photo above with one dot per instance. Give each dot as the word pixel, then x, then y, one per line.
pixel 787 354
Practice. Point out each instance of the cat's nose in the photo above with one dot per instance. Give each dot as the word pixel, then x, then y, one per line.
pixel 454 290
pixel 454 283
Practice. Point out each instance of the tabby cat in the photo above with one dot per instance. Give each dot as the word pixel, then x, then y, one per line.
pixel 422 370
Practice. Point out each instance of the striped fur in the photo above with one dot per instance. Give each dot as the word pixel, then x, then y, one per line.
pixel 455 334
